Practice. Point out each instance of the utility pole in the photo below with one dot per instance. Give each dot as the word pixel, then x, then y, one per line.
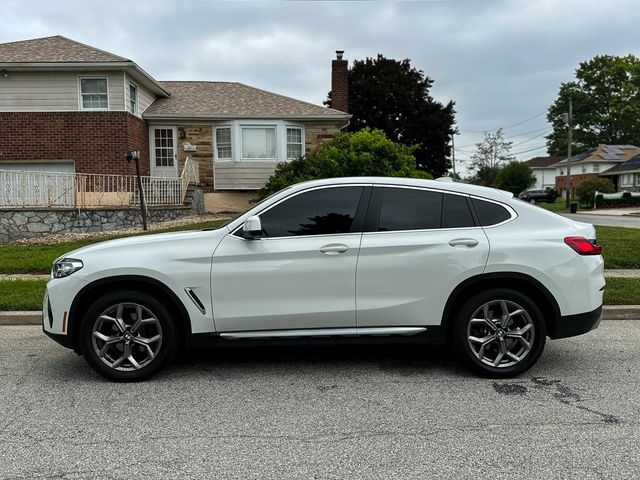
pixel 453 151
pixel 569 142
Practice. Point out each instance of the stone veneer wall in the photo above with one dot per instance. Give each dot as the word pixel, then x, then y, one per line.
pixel 202 137
pixel 37 222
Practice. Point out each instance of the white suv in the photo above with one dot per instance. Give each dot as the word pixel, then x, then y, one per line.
pixel 425 261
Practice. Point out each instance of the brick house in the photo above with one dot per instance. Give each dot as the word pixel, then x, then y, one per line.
pixel 593 163
pixel 69 107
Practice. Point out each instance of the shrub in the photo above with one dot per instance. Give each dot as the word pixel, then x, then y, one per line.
pixel 515 177
pixel 588 188
pixel 363 153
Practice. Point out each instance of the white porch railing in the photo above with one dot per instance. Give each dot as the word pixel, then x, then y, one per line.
pixel 80 190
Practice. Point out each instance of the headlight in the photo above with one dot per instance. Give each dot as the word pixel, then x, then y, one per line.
pixel 65 267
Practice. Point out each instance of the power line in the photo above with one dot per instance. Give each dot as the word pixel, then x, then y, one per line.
pixel 531 138
pixel 505 127
pixel 529 150
pixel 522 134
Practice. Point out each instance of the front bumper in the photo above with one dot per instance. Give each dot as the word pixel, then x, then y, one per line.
pixel 572 325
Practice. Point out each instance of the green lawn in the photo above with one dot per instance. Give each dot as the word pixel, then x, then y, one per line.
pixel 620 246
pixel 21 294
pixel 622 291
pixel 558 206
pixel 28 294
pixel 37 258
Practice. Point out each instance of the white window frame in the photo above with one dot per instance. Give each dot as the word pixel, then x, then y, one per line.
pixel 585 169
pixel 230 126
pixel 596 168
pixel 249 126
pixel 137 109
pixel 236 127
pixel 286 141
pixel 92 77
pixel 624 182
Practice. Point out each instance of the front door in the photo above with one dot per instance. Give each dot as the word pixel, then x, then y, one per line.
pixel 164 153
pixel 301 274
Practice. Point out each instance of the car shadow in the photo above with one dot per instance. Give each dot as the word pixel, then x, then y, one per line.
pixel 402 360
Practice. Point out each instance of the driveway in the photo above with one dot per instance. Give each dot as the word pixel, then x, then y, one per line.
pixel 303 413
pixel 629 221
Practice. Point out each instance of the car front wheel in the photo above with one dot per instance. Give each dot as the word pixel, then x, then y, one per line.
pixel 500 333
pixel 532 201
pixel 127 336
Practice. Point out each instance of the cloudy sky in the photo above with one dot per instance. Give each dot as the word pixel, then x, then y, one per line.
pixel 501 61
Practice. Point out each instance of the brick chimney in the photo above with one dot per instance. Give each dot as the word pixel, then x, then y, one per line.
pixel 340 83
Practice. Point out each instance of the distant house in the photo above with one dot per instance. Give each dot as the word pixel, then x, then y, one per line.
pixel 592 163
pixel 544 170
pixel 69 107
pixel 625 176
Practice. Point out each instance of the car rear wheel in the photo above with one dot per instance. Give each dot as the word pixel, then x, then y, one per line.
pixel 127 336
pixel 500 333
pixel 532 201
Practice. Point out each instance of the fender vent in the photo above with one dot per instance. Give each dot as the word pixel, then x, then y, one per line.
pixel 194 298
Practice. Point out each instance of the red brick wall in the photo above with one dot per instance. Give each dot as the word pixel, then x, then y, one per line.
pixel 340 84
pixel 576 180
pixel 96 141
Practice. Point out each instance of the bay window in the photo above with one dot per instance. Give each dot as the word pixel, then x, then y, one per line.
pixel 258 141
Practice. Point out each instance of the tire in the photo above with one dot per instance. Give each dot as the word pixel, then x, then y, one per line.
pixel 109 330
pixel 532 201
pixel 503 353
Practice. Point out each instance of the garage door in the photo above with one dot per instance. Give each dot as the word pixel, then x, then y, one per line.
pixel 42 184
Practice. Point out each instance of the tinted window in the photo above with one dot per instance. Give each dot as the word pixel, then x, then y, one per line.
pixel 490 213
pixel 318 212
pixel 409 209
pixel 456 213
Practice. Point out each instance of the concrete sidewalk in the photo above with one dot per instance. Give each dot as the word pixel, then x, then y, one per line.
pixel 611 312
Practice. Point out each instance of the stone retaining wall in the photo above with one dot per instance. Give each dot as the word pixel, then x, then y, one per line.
pixel 20 223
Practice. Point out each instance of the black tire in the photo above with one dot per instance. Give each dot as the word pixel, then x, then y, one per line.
pixel 161 325
pixel 532 201
pixel 465 328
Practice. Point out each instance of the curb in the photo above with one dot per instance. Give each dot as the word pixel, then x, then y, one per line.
pixel 610 312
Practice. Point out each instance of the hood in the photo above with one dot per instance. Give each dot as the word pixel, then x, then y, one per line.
pixel 146 241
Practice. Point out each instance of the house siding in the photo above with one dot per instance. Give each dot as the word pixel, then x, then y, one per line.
pixel 145 97
pixel 95 141
pixel 53 91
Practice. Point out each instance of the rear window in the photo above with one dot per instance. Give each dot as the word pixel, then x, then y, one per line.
pixel 456 212
pixel 409 209
pixel 490 213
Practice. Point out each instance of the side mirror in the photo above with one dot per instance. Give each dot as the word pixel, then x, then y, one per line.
pixel 252 228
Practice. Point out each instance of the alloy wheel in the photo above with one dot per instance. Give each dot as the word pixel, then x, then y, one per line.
pixel 126 336
pixel 500 333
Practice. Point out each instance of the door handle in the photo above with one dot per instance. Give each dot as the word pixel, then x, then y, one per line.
pixel 463 242
pixel 334 248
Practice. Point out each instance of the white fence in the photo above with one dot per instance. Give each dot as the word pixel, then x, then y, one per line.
pixel 617 194
pixel 78 190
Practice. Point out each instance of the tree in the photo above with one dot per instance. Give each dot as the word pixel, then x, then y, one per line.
pixel 492 152
pixel 485 176
pixel 587 189
pixel 606 105
pixel 392 96
pixel 363 153
pixel 515 177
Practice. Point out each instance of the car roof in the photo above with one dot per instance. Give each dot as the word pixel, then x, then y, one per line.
pixel 444 184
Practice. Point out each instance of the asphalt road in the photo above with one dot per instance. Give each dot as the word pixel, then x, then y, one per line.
pixel 323 413
pixel 629 221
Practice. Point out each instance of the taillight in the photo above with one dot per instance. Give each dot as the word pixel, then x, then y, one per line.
pixel 583 246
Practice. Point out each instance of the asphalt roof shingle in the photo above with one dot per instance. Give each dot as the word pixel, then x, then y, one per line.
pixel 544 162
pixel 231 99
pixel 605 153
pixel 632 164
pixel 56 49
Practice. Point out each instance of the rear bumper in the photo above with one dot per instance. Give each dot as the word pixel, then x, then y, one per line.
pixel 572 325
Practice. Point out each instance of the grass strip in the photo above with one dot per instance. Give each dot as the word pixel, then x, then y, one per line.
pixel 18 295
pixel 619 246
